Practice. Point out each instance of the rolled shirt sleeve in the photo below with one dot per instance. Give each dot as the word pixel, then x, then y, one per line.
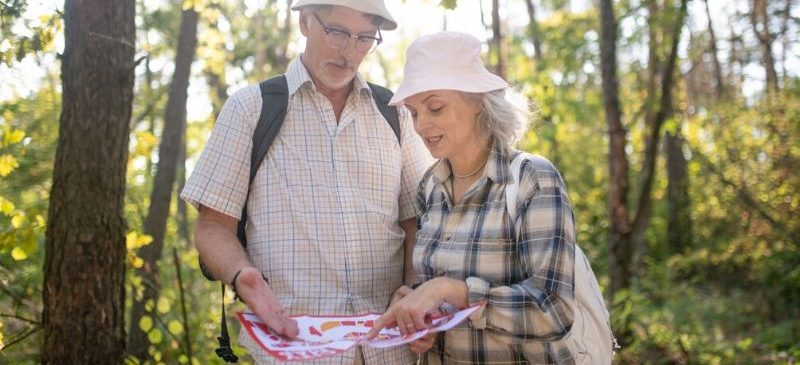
pixel 220 177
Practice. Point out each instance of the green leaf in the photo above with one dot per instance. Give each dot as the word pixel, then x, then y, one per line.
pixel 146 323
pixel 155 336
pixel 12 137
pixel 18 254
pixel 448 4
pixel 6 206
pixel 163 305
pixel 175 327
pixel 7 164
pixel 18 220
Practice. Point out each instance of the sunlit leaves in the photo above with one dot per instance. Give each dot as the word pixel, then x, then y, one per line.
pixel 7 164
pixel 175 327
pixel 155 336
pixel 448 4
pixel 37 37
pixel 146 323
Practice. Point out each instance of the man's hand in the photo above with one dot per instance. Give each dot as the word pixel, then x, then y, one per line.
pixel 258 296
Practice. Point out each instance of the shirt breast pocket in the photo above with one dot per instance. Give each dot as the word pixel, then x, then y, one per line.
pixel 492 259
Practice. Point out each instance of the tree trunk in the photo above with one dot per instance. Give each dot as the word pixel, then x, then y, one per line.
pixel 156 222
pixel 786 37
pixel 533 29
pixel 679 222
pixel 183 217
pixel 760 21
pixel 720 84
pixel 619 225
pixel 498 43
pixel 84 272
pixel 547 118
pixel 642 219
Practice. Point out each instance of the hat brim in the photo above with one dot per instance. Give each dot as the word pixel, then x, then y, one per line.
pixel 465 83
pixel 367 7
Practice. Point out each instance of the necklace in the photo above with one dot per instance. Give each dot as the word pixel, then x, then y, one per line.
pixel 471 173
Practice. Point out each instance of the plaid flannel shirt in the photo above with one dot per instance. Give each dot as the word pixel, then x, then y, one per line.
pixel 524 281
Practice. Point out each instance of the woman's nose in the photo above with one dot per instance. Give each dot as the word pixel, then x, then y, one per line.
pixel 419 124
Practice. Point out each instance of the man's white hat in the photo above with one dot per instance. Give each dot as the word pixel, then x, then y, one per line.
pixel 374 7
pixel 445 61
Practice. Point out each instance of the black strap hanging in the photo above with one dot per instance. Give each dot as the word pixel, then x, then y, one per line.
pixel 225 352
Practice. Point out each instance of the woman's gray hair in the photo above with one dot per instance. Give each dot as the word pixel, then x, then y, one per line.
pixel 504 115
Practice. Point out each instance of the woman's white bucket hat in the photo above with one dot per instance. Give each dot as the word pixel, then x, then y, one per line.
pixel 374 7
pixel 445 61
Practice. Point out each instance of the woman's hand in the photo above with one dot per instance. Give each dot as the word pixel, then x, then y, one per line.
pixel 411 312
pixel 400 293
pixel 423 344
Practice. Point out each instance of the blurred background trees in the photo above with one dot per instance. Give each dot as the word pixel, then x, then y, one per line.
pixel 675 123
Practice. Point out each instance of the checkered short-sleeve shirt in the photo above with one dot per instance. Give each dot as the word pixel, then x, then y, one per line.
pixel 325 204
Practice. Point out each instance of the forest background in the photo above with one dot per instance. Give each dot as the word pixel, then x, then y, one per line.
pixel 675 123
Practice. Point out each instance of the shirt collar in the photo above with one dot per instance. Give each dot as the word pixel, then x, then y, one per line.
pixel 497 166
pixel 297 75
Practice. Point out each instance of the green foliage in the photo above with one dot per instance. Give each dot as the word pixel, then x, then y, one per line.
pixel 37 35
pixel 733 296
pixel 448 4
pixel 28 136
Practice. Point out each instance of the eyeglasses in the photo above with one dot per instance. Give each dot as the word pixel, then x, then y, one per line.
pixel 338 39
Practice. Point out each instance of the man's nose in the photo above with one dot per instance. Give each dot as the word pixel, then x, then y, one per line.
pixel 348 49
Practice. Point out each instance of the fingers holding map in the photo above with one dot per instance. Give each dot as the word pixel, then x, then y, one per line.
pixel 322 336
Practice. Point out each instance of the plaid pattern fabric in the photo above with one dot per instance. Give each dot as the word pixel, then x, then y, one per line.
pixel 325 204
pixel 521 269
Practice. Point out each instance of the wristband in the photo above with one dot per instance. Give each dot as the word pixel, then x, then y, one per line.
pixel 233 284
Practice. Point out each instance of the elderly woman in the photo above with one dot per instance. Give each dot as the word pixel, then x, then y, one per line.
pixel 516 258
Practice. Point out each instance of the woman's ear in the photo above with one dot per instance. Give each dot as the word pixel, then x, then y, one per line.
pixel 477 106
pixel 474 102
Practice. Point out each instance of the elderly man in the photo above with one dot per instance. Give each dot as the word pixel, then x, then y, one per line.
pixel 330 208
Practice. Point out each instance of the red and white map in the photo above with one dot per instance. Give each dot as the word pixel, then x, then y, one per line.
pixel 322 336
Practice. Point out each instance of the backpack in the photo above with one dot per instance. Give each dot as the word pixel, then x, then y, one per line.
pixel 590 338
pixel 274 101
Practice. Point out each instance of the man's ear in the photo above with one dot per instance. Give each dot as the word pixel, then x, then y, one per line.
pixel 304 23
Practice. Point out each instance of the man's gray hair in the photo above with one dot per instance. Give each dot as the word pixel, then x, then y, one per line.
pixel 504 115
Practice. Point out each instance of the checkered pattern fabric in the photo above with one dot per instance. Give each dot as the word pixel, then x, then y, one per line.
pixel 521 267
pixel 325 204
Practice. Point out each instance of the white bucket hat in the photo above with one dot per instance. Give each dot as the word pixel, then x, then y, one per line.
pixel 374 7
pixel 445 61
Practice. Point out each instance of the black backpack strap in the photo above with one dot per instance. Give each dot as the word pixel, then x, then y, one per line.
pixel 382 96
pixel 274 101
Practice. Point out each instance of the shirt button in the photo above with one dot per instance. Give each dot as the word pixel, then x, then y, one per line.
pixel 447 237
